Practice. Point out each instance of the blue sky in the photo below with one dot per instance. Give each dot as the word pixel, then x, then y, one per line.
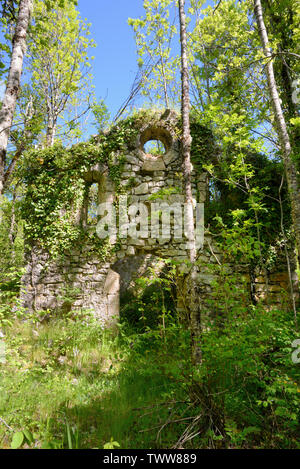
pixel 115 66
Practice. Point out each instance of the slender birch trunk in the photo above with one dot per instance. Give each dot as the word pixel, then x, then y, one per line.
pixel 51 131
pixel 284 139
pixel 195 317
pixel 13 82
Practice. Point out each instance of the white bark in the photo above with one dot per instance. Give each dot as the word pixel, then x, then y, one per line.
pixel 284 139
pixel 195 317
pixel 13 82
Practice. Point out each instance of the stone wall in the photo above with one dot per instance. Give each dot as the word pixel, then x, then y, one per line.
pixel 78 281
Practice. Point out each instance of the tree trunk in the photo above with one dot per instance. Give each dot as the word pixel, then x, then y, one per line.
pixel 51 130
pixel 283 67
pixel 284 139
pixel 195 317
pixel 13 82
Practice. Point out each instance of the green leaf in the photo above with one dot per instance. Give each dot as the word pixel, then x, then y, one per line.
pixel 29 437
pixel 17 440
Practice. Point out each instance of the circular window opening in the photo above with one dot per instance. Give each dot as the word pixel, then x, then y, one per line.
pixel 155 141
pixel 154 148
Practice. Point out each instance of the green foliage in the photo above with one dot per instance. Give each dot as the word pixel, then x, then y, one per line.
pixel 59 67
pixel 11 235
pixel 17 440
pixel 248 362
pixel 55 187
pixel 153 35
pixel 101 115
pixel 203 148
pixel 111 444
pixel 20 438
pixel 140 386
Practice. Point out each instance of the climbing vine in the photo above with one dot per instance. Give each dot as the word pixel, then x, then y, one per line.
pixel 55 180
pixel 56 183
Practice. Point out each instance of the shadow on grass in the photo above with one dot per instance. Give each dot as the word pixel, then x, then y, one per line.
pixel 132 412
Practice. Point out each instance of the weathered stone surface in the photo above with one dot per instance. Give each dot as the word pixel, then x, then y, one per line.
pixel 130 251
pixel 156 164
pixel 98 284
pixel 170 157
pixel 112 283
pixel 142 189
pixel 132 159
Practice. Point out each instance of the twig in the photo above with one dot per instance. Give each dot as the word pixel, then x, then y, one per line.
pixel 287 256
pixel 160 404
pixel 6 425
pixel 211 250
pixel 217 6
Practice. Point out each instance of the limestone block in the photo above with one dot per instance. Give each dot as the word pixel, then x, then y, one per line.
pixel 96 285
pixel 130 251
pixel 98 277
pixel 112 283
pixel 142 189
pixel 164 240
pixel 280 277
pixel 136 242
pixel 170 157
pixel 113 308
pixel 132 159
pixel 156 164
pixel 157 179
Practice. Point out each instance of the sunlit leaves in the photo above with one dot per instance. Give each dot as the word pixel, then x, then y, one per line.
pixel 59 60
pixel 153 35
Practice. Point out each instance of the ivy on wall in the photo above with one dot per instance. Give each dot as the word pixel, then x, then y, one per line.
pixel 55 179
pixel 56 185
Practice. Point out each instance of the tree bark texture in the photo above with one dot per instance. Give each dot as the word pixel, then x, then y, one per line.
pixel 195 316
pixel 13 82
pixel 284 139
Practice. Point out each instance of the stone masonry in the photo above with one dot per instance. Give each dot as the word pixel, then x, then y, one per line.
pixel 83 281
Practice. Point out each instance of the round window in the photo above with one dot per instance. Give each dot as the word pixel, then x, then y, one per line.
pixel 155 141
pixel 154 148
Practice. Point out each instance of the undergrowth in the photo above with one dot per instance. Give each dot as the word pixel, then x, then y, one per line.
pixel 68 384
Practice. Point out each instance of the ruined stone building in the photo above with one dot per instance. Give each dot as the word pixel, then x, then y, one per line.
pixel 98 282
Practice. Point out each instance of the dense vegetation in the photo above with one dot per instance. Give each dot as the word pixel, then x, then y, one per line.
pixel 64 381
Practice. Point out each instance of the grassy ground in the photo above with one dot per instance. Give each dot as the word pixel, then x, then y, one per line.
pixel 70 384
